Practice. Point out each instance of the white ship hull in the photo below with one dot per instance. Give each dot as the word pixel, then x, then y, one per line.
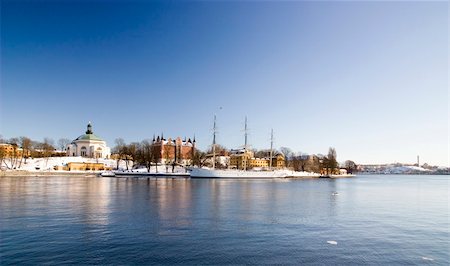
pixel 299 174
pixel 238 174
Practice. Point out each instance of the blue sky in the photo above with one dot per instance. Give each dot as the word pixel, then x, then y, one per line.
pixel 368 78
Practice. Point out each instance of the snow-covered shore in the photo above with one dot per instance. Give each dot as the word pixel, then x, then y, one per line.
pixel 46 167
pixel 48 164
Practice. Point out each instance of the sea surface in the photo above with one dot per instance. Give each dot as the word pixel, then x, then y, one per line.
pixel 367 219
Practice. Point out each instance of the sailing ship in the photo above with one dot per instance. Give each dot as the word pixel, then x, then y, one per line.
pixel 236 173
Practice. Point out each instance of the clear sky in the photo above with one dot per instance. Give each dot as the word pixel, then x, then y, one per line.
pixel 368 78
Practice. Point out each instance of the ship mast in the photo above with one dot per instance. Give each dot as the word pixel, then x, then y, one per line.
pixel 245 143
pixel 271 148
pixel 214 143
pixel 245 134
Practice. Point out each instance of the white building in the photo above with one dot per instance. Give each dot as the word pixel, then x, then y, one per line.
pixel 89 145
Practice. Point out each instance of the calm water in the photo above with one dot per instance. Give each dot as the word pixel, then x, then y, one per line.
pixel 87 220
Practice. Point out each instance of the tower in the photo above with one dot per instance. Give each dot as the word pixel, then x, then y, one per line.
pixel 89 128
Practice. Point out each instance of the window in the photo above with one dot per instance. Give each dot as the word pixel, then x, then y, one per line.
pixel 98 153
pixel 83 151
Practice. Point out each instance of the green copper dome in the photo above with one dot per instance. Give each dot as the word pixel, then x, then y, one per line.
pixel 89 134
pixel 89 137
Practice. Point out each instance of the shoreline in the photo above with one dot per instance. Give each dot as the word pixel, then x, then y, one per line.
pixel 21 173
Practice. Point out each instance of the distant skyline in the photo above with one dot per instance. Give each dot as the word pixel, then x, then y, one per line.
pixel 367 78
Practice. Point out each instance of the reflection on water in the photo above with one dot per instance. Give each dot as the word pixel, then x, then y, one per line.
pixel 375 220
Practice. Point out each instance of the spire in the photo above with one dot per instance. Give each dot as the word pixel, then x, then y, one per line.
pixel 89 128
pixel 194 138
pixel 153 137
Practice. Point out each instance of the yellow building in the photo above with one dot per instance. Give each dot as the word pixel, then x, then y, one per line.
pixel 75 166
pixel 259 162
pixel 244 159
pixel 12 150
pixel 239 159
pixel 278 161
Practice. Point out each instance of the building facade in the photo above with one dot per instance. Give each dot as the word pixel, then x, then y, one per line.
pixel 244 159
pixel 89 145
pixel 174 150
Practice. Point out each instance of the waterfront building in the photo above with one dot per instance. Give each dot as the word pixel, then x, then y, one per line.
pixel 12 150
pixel 244 159
pixel 89 145
pixel 174 150
pixel 278 161
pixel 83 166
pixel 239 159
pixel 259 162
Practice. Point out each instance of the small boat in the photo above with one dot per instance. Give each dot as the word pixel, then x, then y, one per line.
pixel 108 174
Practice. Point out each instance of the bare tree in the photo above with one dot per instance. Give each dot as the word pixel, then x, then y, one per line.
pixel 146 154
pixel 2 157
pixel 2 153
pixel 131 153
pixel 332 159
pixel 48 149
pixel 350 166
pixel 62 143
pixel 119 150
pixel 288 155
pixel 261 153
pixel 329 162
pixel 25 143
pixel 198 158
pixel 313 164
pixel 219 149
pixel 300 161
pixel 36 149
pixel 14 155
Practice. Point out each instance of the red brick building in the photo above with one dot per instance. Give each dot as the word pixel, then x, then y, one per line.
pixel 174 150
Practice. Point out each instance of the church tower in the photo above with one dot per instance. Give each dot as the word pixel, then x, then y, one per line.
pixel 89 128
